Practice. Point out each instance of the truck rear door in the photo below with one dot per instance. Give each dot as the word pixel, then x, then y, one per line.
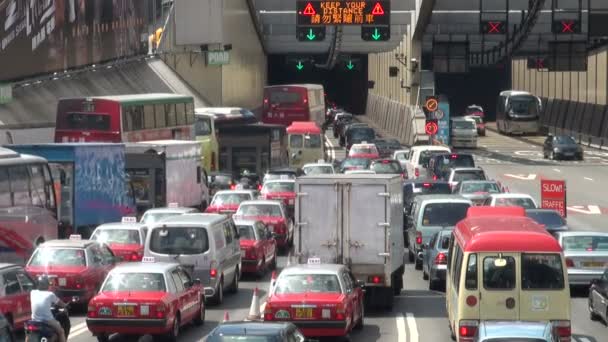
pixel 366 223
pixel 318 222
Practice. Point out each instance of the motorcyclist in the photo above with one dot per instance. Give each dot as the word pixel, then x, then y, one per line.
pixel 42 300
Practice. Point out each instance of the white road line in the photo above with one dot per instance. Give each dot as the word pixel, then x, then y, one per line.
pixel 411 326
pixel 401 331
pixel 557 170
pixel 584 339
pixel 589 179
pixel 331 148
pixel 77 330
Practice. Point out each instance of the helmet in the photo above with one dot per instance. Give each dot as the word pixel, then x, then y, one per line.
pixel 43 282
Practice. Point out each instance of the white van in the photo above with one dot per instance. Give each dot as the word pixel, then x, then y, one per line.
pixel 463 133
pixel 511 199
pixel 207 245
pixel 419 159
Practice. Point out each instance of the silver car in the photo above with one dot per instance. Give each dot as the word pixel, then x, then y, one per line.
pixel 435 258
pixel 477 190
pixel 586 255
pixel 520 331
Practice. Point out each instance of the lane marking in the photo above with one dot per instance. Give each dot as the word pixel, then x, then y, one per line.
pixel 589 179
pixel 411 326
pixel 531 176
pixel 332 153
pixel 557 170
pixel 584 339
pixel 589 209
pixel 401 332
pixel 77 330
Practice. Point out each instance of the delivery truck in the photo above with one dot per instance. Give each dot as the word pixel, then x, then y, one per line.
pixel 167 172
pixel 91 185
pixel 355 220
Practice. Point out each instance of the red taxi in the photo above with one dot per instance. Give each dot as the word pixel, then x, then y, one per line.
pixel 280 190
pixel 15 287
pixel 146 298
pixel 126 239
pixel 228 201
pixel 369 151
pixel 258 247
pixel 273 214
pixel 75 267
pixel 320 299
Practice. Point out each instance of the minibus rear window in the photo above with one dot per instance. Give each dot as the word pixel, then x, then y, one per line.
pixel 498 277
pixel 542 272
pixel 471 276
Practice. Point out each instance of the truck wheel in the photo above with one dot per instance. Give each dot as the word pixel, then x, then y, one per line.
pixel 418 264
pixel 234 287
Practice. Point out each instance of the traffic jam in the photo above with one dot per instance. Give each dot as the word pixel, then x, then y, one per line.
pixel 347 228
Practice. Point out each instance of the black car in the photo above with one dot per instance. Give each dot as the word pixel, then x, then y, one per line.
pixel 598 297
pixel 439 164
pixel 358 135
pixel 220 181
pixel 255 331
pixel 386 147
pixel 340 122
pixel 387 166
pixel 415 187
pixel 354 164
pixel 551 219
pixel 350 126
pixel 562 147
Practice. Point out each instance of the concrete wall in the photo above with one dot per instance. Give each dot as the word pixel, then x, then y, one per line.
pixel 239 83
pixel 575 102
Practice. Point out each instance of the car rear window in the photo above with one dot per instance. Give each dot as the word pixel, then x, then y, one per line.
pixel 463 124
pixel 246 232
pixel 318 170
pixel 497 276
pixel 549 219
pixel 220 179
pixel 471 188
pixel 156 217
pixel 444 214
pixel 516 202
pixel 259 210
pixel 365 133
pixel 303 283
pixel 432 189
pixel 140 282
pixel 363 150
pixel 229 198
pixel 279 187
pixel 425 155
pixel 455 160
pixel 119 236
pixel 585 243
pixel 541 271
pixel 444 242
pixel 179 240
pixel 469 175
pixel 386 166
pixel 356 162
pixel 58 257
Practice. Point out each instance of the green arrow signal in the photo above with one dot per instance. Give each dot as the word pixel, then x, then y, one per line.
pixel 350 65
pixel 310 35
pixel 300 66
pixel 376 35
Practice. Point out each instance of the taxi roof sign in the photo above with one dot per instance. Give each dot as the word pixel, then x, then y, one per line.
pixel 75 237
pixel 314 261
pixel 129 219
pixel 147 259
pixel 173 205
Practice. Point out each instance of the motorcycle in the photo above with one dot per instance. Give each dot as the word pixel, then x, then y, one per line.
pixel 38 331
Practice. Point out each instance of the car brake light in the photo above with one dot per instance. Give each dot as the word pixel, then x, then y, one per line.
pixel 563 329
pixel 416 172
pixel 418 238
pixel 454 156
pixel 268 312
pixel 386 162
pixel 91 312
pixel 161 310
pixel 434 177
pixel 259 187
pixel 213 272
pixel 468 329
pixel 440 259
pixel 340 312
pixel 375 279
pixel 135 256
pixel 31 327
pixel 232 186
pixel 426 185
pixel 569 262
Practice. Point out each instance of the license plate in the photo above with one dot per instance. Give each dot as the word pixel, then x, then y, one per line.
pixel 62 282
pixel 125 310
pixel 593 264
pixel 303 313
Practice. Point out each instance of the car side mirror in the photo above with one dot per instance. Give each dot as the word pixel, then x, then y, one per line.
pixel 196 282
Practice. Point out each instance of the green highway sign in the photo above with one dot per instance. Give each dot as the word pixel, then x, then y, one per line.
pixel 350 65
pixel 310 33
pixel 376 33
pixel 300 66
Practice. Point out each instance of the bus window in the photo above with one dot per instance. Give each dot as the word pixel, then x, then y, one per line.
pixel 19 178
pixel 5 195
pixel 295 141
pixel 87 122
pixel 170 111
pixel 285 98
pixel 312 141
pixel 202 127
pixel 149 116
pixel 180 111
pixel 541 272
pixel 189 113
pixel 471 277
pixel 37 186
pixel 497 276
pixel 161 118
pixel 137 117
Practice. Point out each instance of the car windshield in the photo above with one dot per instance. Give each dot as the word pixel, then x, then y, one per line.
pixel 136 282
pixel 221 179
pixel 365 133
pixel 202 126
pixel 246 232
pixel 356 162
pixel 474 187
pixel 273 176
pixel 259 210
pixel 363 150
pixel 444 214
pixel 386 166
pixel 565 140
pixel 445 163
pixel 179 240
pixel 585 243
pixel 432 188
pixel 302 283
pixel 318 170
pixel 469 175
pixel 527 105
pixel 58 257
pixel 463 124
pixel 154 217
pixel 119 236
pixel 230 198
pixel 279 187
pixel 402 156
pixel 425 155
pixel 524 202
pixel 548 218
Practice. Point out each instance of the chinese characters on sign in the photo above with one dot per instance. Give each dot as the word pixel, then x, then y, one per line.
pixel 553 195
pixel 343 12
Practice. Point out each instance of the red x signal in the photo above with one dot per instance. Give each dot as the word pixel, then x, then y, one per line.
pixel 567 26
pixel 494 26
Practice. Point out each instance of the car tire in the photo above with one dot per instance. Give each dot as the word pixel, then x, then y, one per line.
pixel 200 318
pixel 273 264
pixel 433 285
pixel 218 297
pixel 552 155
pixel 260 273
pixel 592 315
pixel 102 338
pixel 173 335
pixel 411 255
pixel 425 276
pixel 234 287
pixel 389 299
pixel 360 322
pixel 418 264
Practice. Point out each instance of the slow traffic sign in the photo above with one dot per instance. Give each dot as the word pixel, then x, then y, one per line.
pixel 553 195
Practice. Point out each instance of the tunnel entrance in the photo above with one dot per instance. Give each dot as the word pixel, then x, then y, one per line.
pixel 346 87
pixel 479 86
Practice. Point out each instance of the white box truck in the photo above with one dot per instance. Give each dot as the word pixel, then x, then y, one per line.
pixel 167 171
pixel 355 220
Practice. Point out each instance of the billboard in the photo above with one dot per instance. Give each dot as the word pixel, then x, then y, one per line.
pixel 44 36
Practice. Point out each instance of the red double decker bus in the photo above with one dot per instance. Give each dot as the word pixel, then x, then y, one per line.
pixel 284 104
pixel 125 118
